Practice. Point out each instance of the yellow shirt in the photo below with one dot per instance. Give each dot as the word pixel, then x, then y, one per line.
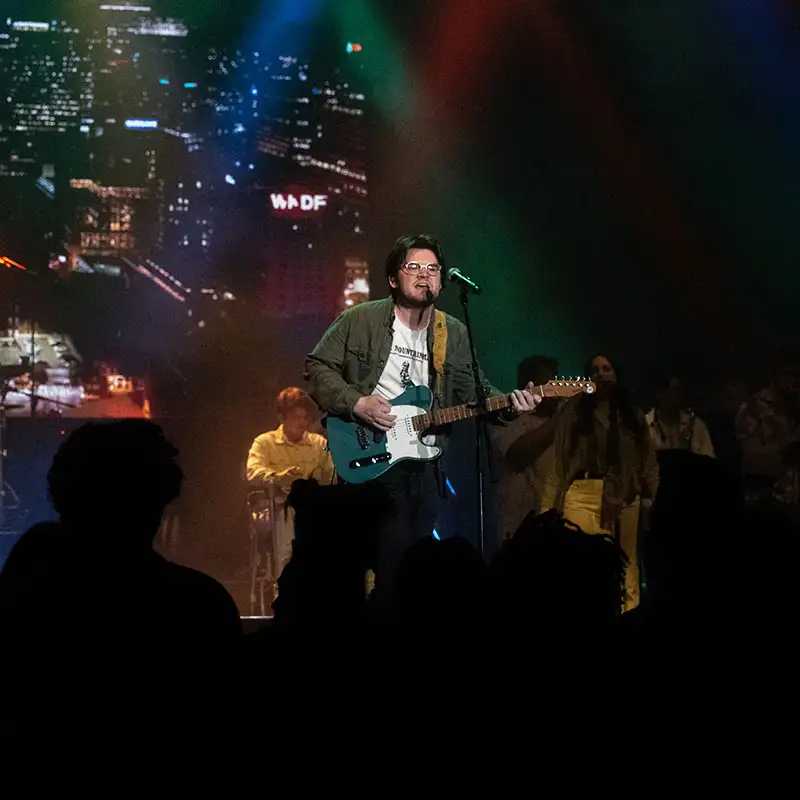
pixel 272 452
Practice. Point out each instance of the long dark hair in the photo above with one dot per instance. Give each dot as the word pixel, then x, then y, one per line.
pixel 622 413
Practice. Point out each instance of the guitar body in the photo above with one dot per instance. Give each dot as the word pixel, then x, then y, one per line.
pixel 361 453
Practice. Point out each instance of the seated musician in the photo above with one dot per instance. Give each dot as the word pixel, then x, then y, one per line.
pixel 278 458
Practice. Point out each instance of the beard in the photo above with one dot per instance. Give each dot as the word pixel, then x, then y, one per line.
pixel 403 299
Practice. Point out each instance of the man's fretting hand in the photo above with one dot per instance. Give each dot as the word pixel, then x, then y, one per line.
pixel 523 400
pixel 375 411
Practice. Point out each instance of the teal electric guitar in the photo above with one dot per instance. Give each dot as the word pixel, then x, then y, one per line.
pixel 361 453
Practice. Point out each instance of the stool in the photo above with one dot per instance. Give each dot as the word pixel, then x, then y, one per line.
pixel 263 546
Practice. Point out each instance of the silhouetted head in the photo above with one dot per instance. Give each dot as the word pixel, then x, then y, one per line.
pixel 334 543
pixel 320 511
pixel 531 589
pixel 695 527
pixel 695 489
pixel 537 370
pixel 440 584
pixel 115 479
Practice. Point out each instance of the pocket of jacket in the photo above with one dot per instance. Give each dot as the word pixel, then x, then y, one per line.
pixel 357 365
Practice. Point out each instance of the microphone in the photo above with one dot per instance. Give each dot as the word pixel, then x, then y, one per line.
pixel 455 275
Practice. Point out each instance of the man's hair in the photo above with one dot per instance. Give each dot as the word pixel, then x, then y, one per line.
pixel 398 253
pixel 292 397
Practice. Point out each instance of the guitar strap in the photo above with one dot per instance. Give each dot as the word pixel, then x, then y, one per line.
pixel 439 346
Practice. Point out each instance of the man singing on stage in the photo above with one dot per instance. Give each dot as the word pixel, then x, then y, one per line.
pixel 376 350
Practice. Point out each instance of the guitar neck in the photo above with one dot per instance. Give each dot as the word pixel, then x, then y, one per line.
pixel 556 388
pixel 443 416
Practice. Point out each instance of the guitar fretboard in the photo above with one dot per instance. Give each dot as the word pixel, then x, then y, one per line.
pixel 443 416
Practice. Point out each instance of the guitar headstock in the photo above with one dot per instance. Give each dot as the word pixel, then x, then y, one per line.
pixel 567 387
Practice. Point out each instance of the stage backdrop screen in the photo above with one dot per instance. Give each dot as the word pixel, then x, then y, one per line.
pixel 173 188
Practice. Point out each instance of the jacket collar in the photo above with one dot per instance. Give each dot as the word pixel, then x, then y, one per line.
pixel 281 439
pixel 387 306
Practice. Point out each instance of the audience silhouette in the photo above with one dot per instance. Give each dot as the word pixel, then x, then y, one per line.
pixel 439 596
pixel 692 553
pixel 552 578
pixel 89 597
pixel 323 586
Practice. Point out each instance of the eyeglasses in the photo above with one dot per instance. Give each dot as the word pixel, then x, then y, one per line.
pixel 414 267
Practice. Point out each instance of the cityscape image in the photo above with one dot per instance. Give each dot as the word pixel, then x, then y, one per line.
pixel 159 185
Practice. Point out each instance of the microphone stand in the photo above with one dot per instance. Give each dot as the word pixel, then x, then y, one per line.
pixel 480 419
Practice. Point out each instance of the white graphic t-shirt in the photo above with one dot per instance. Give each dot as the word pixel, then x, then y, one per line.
pixel 408 362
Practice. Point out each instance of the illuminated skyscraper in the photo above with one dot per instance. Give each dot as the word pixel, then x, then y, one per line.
pixel 136 57
pixel 187 217
pixel 294 133
pixel 233 165
pixel 46 76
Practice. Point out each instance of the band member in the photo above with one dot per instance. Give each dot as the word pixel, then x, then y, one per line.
pixel 371 354
pixel 768 427
pixel 604 466
pixel 279 457
pixel 672 422
pixel 525 447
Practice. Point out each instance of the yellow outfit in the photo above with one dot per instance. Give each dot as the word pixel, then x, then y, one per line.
pixel 272 453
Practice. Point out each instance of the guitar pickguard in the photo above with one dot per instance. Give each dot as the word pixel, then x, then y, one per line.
pixel 361 453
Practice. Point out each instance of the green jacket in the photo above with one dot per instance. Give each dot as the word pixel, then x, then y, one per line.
pixel 349 359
